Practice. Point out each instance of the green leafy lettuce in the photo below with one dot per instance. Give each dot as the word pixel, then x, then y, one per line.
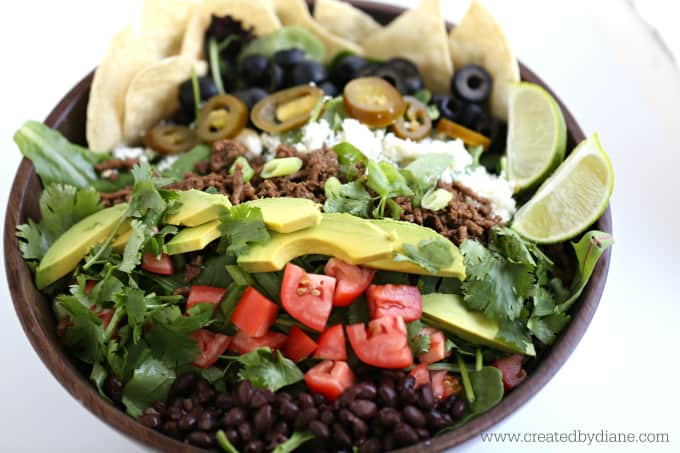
pixel 267 369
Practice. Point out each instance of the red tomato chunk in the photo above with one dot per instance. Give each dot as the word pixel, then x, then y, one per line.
pixel 205 295
pixel 161 266
pixel 243 344
pixel 384 344
pixel 437 350
pixel 307 297
pixel 351 281
pixel 299 345
pixel 254 314
pixel 421 374
pixel 395 300
pixel 444 385
pixel 330 378
pixel 212 345
pixel 512 371
pixel 332 344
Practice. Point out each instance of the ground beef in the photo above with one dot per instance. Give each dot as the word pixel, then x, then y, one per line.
pixel 193 268
pixel 224 153
pixel 116 164
pixel 114 198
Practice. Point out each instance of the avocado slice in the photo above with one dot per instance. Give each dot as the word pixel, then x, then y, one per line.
pixel 352 239
pixel 447 312
pixel 194 238
pixel 72 246
pixel 286 214
pixel 412 233
pixel 197 208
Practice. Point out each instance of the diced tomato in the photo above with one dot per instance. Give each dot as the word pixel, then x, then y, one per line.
pixel 421 374
pixel 384 344
pixel 161 266
pixel 212 346
pixel 437 350
pixel 307 297
pixel 299 345
pixel 351 281
pixel 332 344
pixel 105 314
pixel 254 314
pixel 89 286
pixel 444 384
pixel 205 295
pixel 243 344
pixel 330 378
pixel 395 300
pixel 511 369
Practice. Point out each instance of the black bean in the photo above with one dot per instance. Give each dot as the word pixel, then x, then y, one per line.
pixel 244 391
pixel 276 440
pixel 289 410
pixel 263 419
pixel 407 383
pixel 187 404
pixel 387 381
pixel 426 397
pixel 413 416
pixel 363 408
pixel 387 395
pixel 306 400
pixel 205 392
pixel 150 420
pixel 447 404
pixel 376 427
pixel 319 429
pixel 207 421
pixel 458 409
pixel 405 435
pixel 175 412
pixel 160 407
pixel 388 441
pixel 305 417
pixel 258 399
pixel 245 432
pixel 184 384
pixel 394 374
pixel 340 435
pixel 348 396
pixel 171 429
pixel 423 433
pixel 150 410
pixel 232 435
pixel 345 416
pixel 280 428
pixel 225 401
pixel 359 428
pixel 319 398
pixel 389 417
pixel 254 446
pixel 113 387
pixel 327 417
pixel 371 446
pixel 407 396
pixel 188 422
pixel 235 416
pixel 438 420
pixel 366 390
pixel 281 397
pixel 201 439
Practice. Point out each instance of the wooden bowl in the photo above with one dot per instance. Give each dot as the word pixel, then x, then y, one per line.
pixel 38 322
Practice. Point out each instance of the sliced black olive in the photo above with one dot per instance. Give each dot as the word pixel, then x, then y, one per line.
pixel 411 77
pixel 346 69
pixel 472 83
pixel 253 70
pixel 277 79
pixel 329 89
pixel 306 72
pixel 288 58
pixel 206 88
pixel 251 96
pixel 449 107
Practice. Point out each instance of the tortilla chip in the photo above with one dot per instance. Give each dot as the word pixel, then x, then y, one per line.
pixel 296 13
pixel 153 95
pixel 344 20
pixel 256 13
pixel 479 39
pixel 420 36
pixel 163 24
pixel 125 57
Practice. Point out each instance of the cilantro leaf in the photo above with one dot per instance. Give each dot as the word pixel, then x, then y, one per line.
pixel 351 198
pixel 150 381
pixel 132 253
pixel 266 369
pixel 170 338
pixel 418 341
pixel 430 254
pixel 546 328
pixel 243 226
pixel 84 335
pixel 350 160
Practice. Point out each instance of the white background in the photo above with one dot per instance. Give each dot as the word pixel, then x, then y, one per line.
pixel 605 64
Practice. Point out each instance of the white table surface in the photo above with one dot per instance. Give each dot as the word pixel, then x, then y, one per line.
pixel 606 66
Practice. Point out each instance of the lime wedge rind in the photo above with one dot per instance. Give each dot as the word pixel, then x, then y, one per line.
pixel 572 199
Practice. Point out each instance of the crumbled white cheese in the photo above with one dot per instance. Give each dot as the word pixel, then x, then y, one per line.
pixel 314 136
pixel 251 140
pixel 497 189
pixel 127 152
pixel 166 162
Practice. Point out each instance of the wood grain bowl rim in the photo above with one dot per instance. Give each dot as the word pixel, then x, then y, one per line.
pixel 36 319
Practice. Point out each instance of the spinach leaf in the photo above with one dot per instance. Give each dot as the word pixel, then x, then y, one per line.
pixel 214 271
pixel 487 384
pixel 267 369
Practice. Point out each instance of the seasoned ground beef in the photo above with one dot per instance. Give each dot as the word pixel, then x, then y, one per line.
pixel 193 268
pixel 116 164
pixel 114 198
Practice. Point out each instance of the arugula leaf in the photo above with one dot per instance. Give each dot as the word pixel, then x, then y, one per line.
pixel 293 442
pixel 266 369
pixel 150 381
pixel 84 335
pixel 418 342
pixel 243 226
pixel 430 254
pixel 186 162
pixel 61 207
pixel 56 160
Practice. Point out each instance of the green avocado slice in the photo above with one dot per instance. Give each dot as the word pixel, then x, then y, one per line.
pixel 197 208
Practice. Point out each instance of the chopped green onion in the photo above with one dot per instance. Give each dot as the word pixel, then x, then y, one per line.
pixel 228 40
pixel 377 179
pixel 435 200
pixel 479 360
pixel 504 168
pixel 281 167
pixel 224 443
pixel 332 187
pixel 246 170
pixel 197 91
pixel 240 277
pixel 318 108
pixel 467 385
pixel 214 55
pixel 395 209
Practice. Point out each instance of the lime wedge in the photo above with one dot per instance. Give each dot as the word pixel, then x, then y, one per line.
pixel 537 135
pixel 572 199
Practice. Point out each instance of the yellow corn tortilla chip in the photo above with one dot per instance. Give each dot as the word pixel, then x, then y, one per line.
pixel 256 13
pixel 152 95
pixel 420 36
pixel 479 39
pixel 163 24
pixel 126 56
pixel 296 13
pixel 344 20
